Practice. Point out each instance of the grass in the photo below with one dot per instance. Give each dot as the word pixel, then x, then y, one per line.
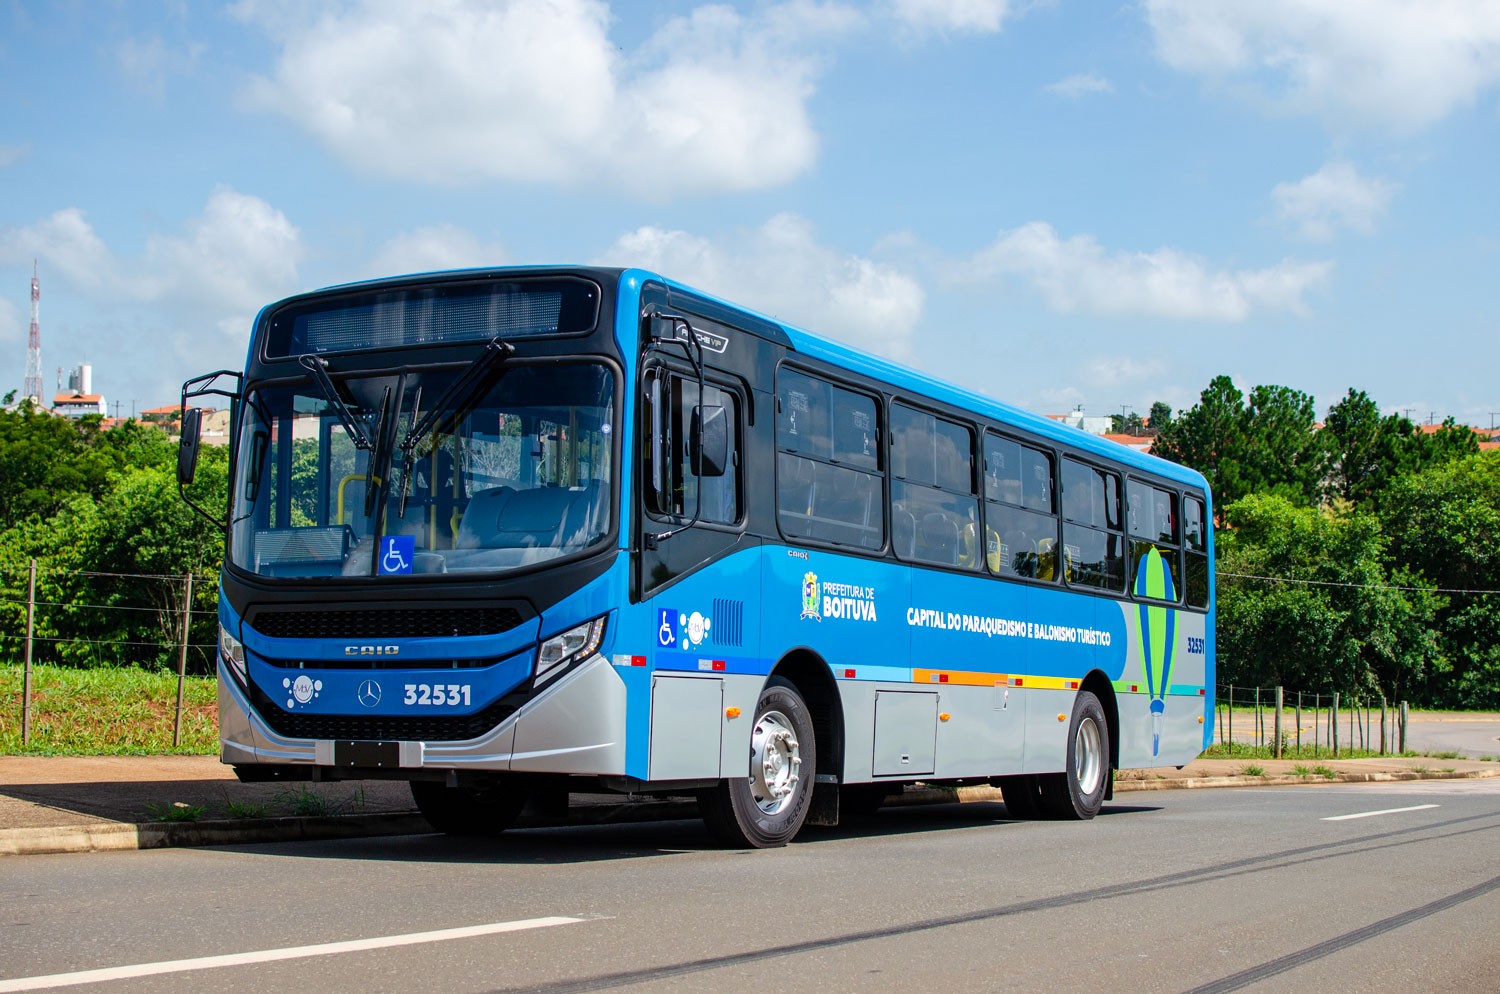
pixel 107 712
pixel 1244 750
pixel 247 809
pixel 176 811
pixel 1252 770
pixel 1324 771
pixel 1299 770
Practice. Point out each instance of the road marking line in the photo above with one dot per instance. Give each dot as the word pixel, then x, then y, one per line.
pixel 1366 814
pixel 272 955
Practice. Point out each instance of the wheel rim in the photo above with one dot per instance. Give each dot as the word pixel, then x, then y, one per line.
pixel 775 763
pixel 1088 756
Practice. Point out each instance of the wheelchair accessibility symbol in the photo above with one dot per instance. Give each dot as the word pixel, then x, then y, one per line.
pixel 666 629
pixel 397 552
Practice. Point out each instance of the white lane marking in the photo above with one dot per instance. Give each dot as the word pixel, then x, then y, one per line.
pixel 272 955
pixel 1366 814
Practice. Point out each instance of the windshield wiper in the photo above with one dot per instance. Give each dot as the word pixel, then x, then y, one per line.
pixel 457 399
pixel 318 366
pixel 452 405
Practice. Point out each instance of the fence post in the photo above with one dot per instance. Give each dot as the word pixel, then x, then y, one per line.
pixel 1260 722
pixel 1278 722
pixel 1401 732
pixel 1382 725
pixel 1230 741
pixel 1299 724
pixel 1333 724
pixel 187 617
pixel 26 666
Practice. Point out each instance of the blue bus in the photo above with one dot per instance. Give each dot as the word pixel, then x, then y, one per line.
pixel 520 532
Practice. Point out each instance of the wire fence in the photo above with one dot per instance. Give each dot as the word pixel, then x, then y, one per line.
pixel 1270 722
pixel 169 622
pixel 97 619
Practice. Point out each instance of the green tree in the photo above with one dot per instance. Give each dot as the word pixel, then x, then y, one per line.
pixel 1367 451
pixel 44 459
pixel 1160 416
pixel 110 569
pixel 1307 599
pixel 1444 522
pixel 1264 445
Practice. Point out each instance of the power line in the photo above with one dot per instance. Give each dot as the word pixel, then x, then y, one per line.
pixel 1352 586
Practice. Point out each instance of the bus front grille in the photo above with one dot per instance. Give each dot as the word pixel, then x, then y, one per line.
pixel 385 622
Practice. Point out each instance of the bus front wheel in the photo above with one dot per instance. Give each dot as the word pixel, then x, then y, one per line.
pixel 766 808
pixel 1078 792
pixel 487 809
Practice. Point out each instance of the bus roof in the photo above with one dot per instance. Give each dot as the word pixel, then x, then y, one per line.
pixel 901 378
pixel 904 379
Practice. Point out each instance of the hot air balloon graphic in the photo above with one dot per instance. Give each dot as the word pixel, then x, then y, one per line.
pixel 1156 634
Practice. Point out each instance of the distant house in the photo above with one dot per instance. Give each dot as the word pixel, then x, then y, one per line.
pixel 1140 443
pixel 167 416
pixel 77 405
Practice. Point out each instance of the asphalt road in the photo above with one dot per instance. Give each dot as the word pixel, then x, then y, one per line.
pixel 1174 891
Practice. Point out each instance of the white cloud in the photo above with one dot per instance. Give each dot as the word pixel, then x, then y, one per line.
pixel 435 247
pixel 1078 274
pixel 1335 197
pixel 1405 63
pixel 238 254
pixel 536 91
pixel 1109 371
pixel 1081 85
pixel 782 270
pixel 66 243
pixel 976 16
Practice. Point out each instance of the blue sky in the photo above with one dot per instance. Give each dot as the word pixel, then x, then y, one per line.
pixel 1057 203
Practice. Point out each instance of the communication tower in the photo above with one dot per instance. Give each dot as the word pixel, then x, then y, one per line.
pixel 33 384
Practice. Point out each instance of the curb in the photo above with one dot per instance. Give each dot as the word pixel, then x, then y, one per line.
pixel 116 836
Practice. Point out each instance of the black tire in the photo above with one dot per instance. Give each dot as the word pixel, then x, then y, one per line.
pixel 1077 793
pixel 1023 796
pixel 765 807
pixel 471 810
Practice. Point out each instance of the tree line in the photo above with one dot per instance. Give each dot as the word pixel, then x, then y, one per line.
pixel 1360 554
pixel 99 512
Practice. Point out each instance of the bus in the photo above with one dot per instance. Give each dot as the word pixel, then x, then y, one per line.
pixel 515 533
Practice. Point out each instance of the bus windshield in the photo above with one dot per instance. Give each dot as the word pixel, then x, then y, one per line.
pixel 517 471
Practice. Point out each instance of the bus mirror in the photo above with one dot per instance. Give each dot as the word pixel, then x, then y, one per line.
pixel 709 440
pixel 660 327
pixel 187 446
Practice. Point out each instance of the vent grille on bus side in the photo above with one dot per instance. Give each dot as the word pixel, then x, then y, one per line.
pixel 360 727
pixel 728 623
pixel 386 622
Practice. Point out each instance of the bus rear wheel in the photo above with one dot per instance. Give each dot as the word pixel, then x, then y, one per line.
pixel 1023 795
pixel 1077 794
pixel 765 809
pixel 487 809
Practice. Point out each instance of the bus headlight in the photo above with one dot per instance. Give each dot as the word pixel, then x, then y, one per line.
pixel 232 652
pixel 559 651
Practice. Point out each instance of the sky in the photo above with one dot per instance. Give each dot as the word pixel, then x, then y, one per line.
pixel 1059 203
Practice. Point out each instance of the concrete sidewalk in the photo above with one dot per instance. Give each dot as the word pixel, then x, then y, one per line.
pixel 86 803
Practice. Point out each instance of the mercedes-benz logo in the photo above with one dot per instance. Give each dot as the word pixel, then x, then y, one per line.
pixel 368 693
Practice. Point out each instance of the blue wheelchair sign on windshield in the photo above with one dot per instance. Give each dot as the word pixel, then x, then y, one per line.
pixel 397 552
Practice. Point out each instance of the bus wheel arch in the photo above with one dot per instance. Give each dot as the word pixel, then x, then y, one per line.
pixel 813 679
pixel 1099 685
